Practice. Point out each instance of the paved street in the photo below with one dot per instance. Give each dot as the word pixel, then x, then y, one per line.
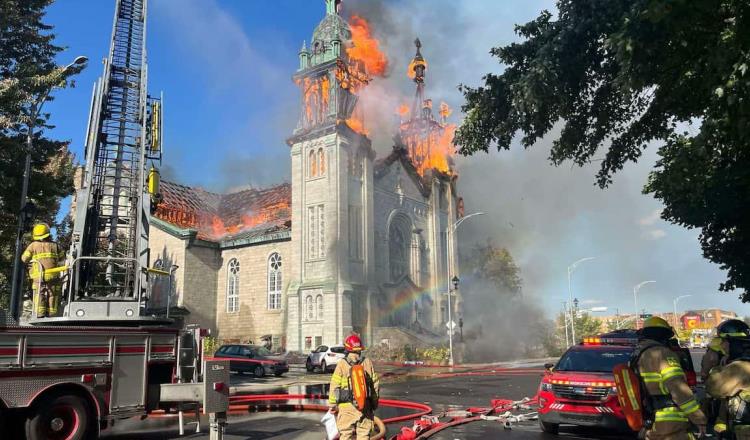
pixel 423 385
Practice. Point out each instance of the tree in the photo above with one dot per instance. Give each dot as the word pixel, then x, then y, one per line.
pixel 27 73
pixel 585 325
pixel 620 75
pixel 494 265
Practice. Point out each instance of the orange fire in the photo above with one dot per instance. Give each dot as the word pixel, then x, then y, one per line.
pixel 403 110
pixel 365 48
pixel 317 96
pixel 445 111
pixel 218 228
pixel 357 125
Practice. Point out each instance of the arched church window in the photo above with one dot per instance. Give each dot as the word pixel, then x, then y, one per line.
pixel 398 247
pixel 274 281
pixel 233 286
pixel 321 161
pixel 313 164
pixel 309 308
pixel 319 306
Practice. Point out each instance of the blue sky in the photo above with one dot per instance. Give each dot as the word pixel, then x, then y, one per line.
pixel 225 69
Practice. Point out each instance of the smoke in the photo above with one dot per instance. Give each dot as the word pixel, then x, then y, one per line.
pixel 548 217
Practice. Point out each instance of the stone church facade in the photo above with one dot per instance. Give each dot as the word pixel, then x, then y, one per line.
pixel 354 243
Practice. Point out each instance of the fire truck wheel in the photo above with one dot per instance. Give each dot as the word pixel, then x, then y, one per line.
pixel 60 417
pixel 259 371
pixel 549 428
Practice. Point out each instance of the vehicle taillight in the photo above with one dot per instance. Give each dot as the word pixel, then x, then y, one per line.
pixel 692 379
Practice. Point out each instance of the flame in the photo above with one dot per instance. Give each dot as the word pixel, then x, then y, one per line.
pixel 357 125
pixel 218 228
pixel 403 110
pixel 365 48
pixel 411 71
pixel 432 148
pixel 317 97
pixel 445 110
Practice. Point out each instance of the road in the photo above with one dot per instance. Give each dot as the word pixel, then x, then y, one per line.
pixel 438 391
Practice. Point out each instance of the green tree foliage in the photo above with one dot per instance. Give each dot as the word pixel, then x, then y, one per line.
pixel 27 72
pixel 494 265
pixel 585 325
pixel 618 75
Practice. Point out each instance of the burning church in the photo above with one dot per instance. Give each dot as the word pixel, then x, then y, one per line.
pixel 353 243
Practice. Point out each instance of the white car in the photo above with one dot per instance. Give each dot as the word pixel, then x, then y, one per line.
pixel 325 358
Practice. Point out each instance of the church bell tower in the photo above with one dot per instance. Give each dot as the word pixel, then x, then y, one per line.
pixel 331 163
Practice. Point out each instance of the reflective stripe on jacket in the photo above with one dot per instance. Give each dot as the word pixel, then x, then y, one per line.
pixel 663 378
pixel 46 254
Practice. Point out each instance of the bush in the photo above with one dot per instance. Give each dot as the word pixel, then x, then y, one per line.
pixel 210 344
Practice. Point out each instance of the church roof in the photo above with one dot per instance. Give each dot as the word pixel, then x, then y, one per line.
pixel 233 216
pixel 401 154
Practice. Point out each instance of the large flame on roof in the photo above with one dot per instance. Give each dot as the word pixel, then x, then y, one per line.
pixel 429 142
pixel 365 48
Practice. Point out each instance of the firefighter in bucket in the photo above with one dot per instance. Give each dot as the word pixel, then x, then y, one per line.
pixel 353 394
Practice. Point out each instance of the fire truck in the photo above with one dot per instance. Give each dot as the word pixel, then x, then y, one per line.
pixel 111 355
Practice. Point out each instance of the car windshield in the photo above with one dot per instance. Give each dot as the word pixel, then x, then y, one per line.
pixel 340 350
pixel 263 351
pixel 592 361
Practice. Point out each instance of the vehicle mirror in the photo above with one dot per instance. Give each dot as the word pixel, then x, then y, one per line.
pixel 548 366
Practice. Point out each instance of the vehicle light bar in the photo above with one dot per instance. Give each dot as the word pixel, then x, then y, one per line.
pixel 584 384
pixel 609 341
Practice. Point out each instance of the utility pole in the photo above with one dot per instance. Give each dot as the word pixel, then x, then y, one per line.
pixel 635 299
pixel 572 269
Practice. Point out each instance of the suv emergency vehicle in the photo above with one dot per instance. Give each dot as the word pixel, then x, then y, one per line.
pixel 580 389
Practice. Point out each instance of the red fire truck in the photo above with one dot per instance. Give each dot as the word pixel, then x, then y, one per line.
pixel 112 354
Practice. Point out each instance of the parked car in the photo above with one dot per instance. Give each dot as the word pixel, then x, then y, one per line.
pixel 325 358
pixel 252 359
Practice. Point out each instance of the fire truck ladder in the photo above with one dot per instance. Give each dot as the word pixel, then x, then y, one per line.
pixel 109 255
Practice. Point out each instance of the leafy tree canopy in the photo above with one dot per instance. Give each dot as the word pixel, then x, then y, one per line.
pixel 495 265
pixel 616 76
pixel 27 73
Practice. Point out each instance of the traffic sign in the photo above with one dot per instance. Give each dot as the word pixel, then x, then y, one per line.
pixel 451 325
pixel 451 333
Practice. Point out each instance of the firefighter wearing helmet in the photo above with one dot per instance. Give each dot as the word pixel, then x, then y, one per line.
pixel 731 384
pixel 668 398
pixel 353 394
pixel 44 260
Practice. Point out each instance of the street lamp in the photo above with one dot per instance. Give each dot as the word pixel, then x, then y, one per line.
pixel 635 299
pixel 25 211
pixel 674 304
pixel 455 281
pixel 449 231
pixel 572 269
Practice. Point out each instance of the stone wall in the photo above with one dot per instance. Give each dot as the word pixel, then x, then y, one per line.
pixel 253 319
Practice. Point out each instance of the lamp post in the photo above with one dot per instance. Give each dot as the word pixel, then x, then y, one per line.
pixel 454 281
pixel 565 320
pixel 674 304
pixel 635 299
pixel 572 269
pixel 25 211
pixel 449 231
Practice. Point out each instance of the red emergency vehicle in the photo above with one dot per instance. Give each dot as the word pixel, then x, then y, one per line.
pixel 580 388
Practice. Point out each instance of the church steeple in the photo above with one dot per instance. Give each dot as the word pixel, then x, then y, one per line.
pixel 332 7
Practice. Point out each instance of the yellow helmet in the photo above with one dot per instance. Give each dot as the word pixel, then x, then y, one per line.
pixel 40 231
pixel 656 321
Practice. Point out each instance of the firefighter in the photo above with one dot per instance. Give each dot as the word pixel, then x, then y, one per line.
pixel 44 259
pixel 351 421
pixel 731 383
pixel 718 349
pixel 668 396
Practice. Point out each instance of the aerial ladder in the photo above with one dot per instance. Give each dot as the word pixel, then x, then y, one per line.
pixel 109 357
pixel 108 278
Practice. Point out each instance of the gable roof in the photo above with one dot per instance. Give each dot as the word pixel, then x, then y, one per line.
pixel 401 154
pixel 220 217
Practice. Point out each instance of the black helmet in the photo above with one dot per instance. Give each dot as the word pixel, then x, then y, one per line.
pixel 733 328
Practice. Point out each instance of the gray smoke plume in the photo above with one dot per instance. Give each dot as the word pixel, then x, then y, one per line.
pixel 548 217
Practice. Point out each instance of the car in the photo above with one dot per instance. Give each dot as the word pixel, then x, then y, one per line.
pixel 325 358
pixel 253 359
pixel 580 388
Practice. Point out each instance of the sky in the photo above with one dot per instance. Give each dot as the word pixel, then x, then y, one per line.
pixel 225 69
